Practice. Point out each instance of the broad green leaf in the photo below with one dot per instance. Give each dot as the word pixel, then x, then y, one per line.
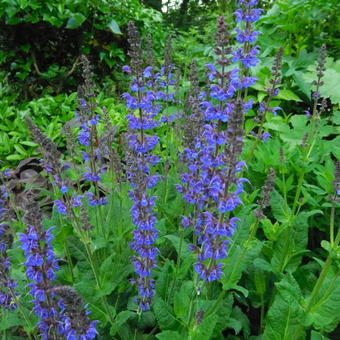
pixel 9 320
pixel 169 335
pixel 120 319
pixel 75 20
pixel 237 314
pixel 318 336
pixel 288 95
pixel 272 231
pixel 331 79
pixel 164 316
pixel 163 280
pixel 324 314
pixel 283 321
pixel 113 26
pixel 279 208
pixel 238 259
pixel 204 330
pixel 181 248
pixel 223 312
pixel 292 243
pixel 182 300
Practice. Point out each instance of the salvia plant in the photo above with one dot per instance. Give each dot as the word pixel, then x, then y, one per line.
pixel 210 214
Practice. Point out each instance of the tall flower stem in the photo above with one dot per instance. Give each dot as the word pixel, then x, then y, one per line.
pixel 251 236
pixel 90 258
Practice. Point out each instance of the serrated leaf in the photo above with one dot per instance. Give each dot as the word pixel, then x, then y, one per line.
pixel 237 262
pixel 279 208
pixel 284 317
pixel 163 312
pixel 291 246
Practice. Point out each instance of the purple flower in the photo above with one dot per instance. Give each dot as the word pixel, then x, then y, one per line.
pixel 249 15
pixel 41 267
pixel 76 201
pixel 246 36
pixel 266 136
pixel 94 201
pixel 126 69
pixel 85 136
pixel 61 207
pixel 212 180
pixel 145 104
pixel 91 176
pixel 211 273
pixel 248 59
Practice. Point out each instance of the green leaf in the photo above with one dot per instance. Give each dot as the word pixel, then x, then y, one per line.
pixel 317 336
pixel 331 79
pixel 291 246
pixel 29 143
pixel 205 330
pixel 288 95
pixel 113 26
pixel 283 320
pixel 183 248
pixel 243 319
pixel 238 259
pixel 169 335
pixel 272 231
pixel 120 319
pixel 163 280
pixel 166 319
pixel 9 320
pixel 182 300
pixel 14 157
pixel 324 314
pixel 280 210
pixel 75 20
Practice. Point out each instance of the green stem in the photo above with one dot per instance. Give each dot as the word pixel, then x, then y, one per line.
pixel 261 314
pixel 331 226
pixel 244 250
pixel 319 282
pixel 22 312
pixel 178 262
pixel 298 191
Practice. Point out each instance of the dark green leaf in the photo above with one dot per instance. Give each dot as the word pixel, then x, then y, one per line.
pixel 75 20
pixel 114 27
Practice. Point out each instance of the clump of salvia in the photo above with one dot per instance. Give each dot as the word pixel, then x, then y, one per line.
pixel 212 182
pixel 41 267
pixel 58 319
pixel 140 160
pixel 7 284
pixel 77 324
